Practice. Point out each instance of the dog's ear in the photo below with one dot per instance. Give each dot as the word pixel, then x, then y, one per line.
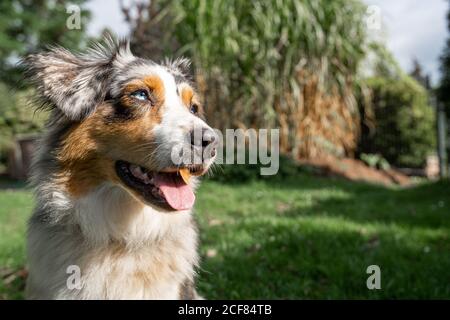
pixel 179 67
pixel 75 83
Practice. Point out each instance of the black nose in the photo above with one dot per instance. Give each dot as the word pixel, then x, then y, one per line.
pixel 203 138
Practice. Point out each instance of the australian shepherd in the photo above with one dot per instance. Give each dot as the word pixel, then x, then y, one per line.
pixel 114 176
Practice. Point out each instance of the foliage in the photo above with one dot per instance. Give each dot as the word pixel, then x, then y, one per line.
pixel 404 128
pixel 29 25
pixel 302 237
pixel 444 88
pixel 240 173
pixel 419 75
pixel 443 91
pixel 382 63
pixel 375 161
pixel 151 25
pixel 16 118
pixel 289 64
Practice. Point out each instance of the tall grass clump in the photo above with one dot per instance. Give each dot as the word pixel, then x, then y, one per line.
pixel 290 64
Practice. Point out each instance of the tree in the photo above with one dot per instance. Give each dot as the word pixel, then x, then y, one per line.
pixel 444 88
pixel 27 26
pixel 418 74
pixel 30 25
pixel 403 130
pixel 151 28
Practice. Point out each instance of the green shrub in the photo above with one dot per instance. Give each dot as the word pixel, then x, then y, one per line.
pixel 240 173
pixel 403 131
pixel 16 118
pixel 375 161
pixel 289 64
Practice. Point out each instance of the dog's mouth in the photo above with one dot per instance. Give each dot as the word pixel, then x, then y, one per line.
pixel 168 189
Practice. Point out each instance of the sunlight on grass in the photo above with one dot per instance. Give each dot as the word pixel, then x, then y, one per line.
pixel 314 238
pixel 303 237
pixel 15 208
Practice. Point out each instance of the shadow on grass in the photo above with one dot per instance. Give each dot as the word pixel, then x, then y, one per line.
pixel 11 184
pixel 12 284
pixel 425 206
pixel 422 205
pixel 319 248
pixel 315 261
pixel 322 250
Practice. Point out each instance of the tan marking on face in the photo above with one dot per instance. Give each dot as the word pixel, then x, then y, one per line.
pixel 189 97
pixel 81 166
pixel 186 95
pixel 156 86
pixel 153 85
pixel 90 148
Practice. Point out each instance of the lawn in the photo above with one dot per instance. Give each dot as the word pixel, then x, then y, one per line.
pixel 301 237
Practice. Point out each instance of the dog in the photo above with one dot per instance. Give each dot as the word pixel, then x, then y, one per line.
pixel 113 214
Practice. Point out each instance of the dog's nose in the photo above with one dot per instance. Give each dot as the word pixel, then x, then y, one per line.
pixel 203 139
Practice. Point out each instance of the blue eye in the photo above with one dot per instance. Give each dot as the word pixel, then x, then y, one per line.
pixel 194 109
pixel 140 94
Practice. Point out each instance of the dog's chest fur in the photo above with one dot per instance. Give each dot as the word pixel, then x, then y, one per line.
pixel 157 272
pixel 123 251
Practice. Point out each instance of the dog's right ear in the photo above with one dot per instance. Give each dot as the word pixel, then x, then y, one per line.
pixel 75 84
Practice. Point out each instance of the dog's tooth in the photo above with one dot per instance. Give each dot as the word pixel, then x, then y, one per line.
pixel 138 173
pixel 185 174
pixel 146 178
pixel 135 170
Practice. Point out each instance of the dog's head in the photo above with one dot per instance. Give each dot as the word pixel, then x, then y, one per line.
pixel 130 122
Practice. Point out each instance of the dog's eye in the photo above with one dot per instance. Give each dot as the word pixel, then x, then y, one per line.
pixel 140 95
pixel 194 108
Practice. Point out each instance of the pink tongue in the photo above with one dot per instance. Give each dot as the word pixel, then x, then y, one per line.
pixel 178 194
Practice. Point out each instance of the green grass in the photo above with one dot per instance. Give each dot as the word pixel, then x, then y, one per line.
pixel 15 206
pixel 304 237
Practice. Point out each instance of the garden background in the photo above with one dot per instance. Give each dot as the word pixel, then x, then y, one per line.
pixel 359 181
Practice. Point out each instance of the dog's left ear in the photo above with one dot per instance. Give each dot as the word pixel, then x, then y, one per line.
pixel 75 84
pixel 179 67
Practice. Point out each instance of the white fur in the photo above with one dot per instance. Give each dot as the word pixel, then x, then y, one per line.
pixel 124 251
